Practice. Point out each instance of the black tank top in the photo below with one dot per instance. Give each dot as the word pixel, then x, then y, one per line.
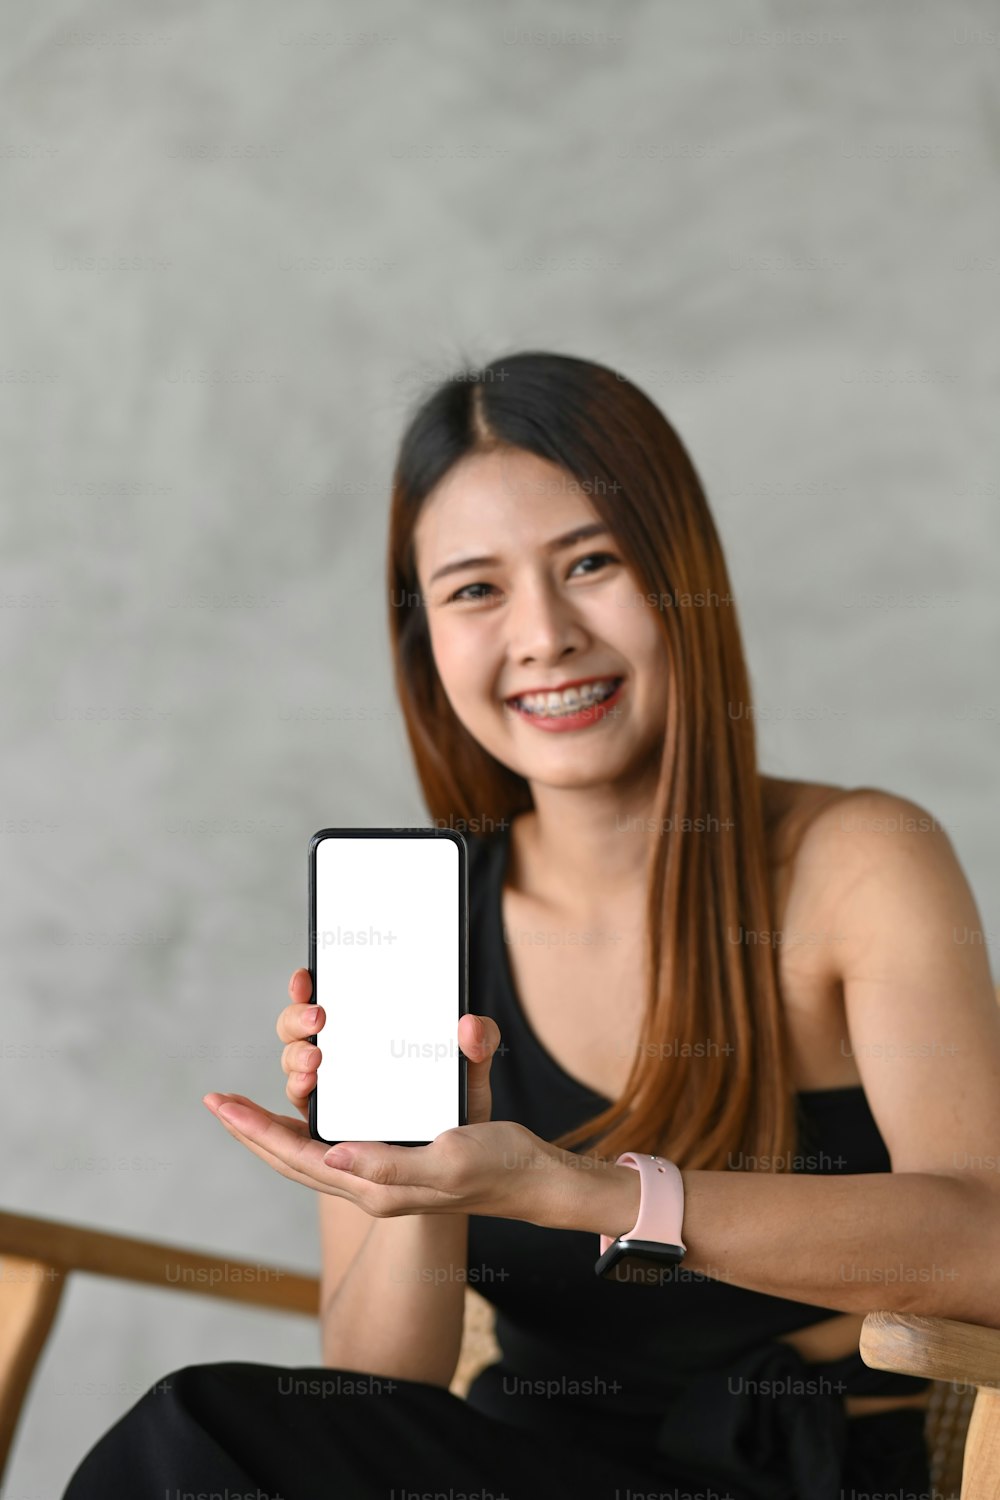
pixel 555 1319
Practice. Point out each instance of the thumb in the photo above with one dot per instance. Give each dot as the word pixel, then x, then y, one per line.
pixel 479 1038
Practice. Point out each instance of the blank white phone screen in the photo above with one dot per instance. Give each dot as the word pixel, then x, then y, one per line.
pixel 388 977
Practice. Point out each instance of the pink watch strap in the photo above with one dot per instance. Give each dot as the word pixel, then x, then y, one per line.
pixel 661 1201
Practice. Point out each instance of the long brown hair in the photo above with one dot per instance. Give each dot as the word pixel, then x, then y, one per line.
pixel 713 1012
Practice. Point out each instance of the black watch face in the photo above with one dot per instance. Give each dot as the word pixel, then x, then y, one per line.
pixel 642 1262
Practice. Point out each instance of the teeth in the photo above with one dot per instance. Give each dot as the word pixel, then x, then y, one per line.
pixel 572 700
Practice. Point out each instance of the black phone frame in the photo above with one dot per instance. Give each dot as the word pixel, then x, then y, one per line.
pixel 463 949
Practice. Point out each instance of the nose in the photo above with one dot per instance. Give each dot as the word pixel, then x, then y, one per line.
pixel 542 623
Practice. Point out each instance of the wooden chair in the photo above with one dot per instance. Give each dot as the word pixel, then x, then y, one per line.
pixel 961 1359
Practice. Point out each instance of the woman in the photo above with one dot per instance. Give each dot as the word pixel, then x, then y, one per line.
pixel 671 954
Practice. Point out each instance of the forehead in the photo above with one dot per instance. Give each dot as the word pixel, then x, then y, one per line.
pixel 487 497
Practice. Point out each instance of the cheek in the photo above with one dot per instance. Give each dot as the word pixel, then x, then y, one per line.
pixel 630 625
pixel 640 641
pixel 460 661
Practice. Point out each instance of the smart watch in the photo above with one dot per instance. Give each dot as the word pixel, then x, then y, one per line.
pixel 654 1242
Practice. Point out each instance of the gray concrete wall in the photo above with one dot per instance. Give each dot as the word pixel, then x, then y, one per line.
pixel 239 237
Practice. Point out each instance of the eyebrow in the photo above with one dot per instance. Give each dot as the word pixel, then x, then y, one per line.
pixel 558 544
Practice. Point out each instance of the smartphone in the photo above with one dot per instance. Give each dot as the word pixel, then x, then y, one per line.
pixel 388 955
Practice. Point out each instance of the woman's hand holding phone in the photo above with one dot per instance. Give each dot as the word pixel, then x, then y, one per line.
pixel 488 1166
pixel 478 1038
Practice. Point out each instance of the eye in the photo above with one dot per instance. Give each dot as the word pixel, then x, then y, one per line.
pixel 601 557
pixel 464 592
pixel 464 596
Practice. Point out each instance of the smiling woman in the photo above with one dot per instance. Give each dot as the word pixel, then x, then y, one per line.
pixel 533 518
pixel 721 1032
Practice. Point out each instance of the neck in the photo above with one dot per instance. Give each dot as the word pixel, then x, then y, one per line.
pixel 578 850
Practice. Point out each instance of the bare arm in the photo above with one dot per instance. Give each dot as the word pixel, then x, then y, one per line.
pixel 924 1025
pixel 398 1307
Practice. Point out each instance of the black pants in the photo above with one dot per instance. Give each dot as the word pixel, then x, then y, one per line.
pixel 231 1431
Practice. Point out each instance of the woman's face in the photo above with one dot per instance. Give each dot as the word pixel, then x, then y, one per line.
pixel 537 612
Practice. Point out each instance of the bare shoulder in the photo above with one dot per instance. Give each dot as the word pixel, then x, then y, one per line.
pixel 801 821
pixel 868 897
pixel 910 991
pixel 854 854
pixel 846 830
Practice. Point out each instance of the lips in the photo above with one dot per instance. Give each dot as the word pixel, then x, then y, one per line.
pixel 580 683
pixel 569 717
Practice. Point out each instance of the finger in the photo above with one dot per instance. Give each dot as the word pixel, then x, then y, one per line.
pixel 376 1163
pixel 482 1039
pixel 299 1087
pixel 478 1037
pixel 213 1101
pixel 282 1135
pixel 300 1020
pixel 278 1164
pixel 301 1057
pixel 300 993
pixel 300 986
pixel 368 1192
pixel 417 1172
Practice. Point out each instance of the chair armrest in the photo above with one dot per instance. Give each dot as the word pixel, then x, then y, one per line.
pixel 479 1345
pixel 935 1348
pixel 69 1247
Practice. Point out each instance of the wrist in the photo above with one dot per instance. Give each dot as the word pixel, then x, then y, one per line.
pixel 622 1207
pixel 596 1197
